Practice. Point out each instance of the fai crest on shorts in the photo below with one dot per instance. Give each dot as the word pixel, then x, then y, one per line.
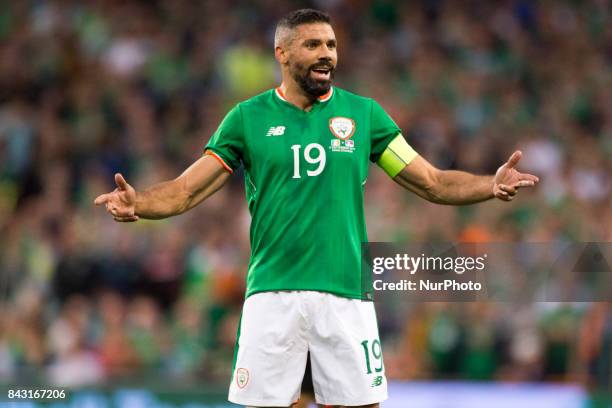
pixel 242 377
pixel 342 128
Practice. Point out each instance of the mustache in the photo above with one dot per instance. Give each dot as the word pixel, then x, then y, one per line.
pixel 319 65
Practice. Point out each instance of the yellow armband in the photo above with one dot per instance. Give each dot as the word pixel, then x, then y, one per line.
pixel 396 156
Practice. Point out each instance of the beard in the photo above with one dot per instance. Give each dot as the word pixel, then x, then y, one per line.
pixel 311 86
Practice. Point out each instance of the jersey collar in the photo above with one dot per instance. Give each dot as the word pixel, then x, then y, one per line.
pixel 322 98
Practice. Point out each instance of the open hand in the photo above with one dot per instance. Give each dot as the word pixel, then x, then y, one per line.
pixel 508 180
pixel 121 202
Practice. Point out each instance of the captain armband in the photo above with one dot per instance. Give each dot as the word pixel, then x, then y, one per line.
pixel 396 156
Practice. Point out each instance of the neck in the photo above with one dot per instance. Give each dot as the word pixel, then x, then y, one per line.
pixel 296 96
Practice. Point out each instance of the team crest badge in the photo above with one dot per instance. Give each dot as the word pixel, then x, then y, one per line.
pixel 342 128
pixel 242 377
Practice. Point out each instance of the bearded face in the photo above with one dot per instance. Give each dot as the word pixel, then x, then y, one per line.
pixel 312 58
pixel 315 79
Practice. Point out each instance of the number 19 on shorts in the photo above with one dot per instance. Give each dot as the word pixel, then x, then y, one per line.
pixel 373 355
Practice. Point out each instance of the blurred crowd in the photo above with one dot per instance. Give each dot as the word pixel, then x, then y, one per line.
pixel 91 88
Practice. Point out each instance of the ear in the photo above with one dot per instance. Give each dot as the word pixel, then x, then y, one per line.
pixel 281 55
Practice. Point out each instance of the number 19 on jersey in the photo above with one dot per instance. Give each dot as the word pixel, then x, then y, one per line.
pixel 310 157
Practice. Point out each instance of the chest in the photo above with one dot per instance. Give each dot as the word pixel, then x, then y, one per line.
pixel 313 144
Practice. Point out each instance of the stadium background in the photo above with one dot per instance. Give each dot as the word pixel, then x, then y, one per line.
pixel 91 88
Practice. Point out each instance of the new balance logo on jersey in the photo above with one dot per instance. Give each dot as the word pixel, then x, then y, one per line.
pixel 276 131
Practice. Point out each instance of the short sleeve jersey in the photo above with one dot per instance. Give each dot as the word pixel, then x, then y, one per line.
pixel 305 174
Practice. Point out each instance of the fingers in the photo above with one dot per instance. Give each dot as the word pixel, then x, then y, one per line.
pixel 121 216
pixel 120 181
pixel 504 192
pixel 514 159
pixel 507 192
pixel 510 190
pixel 114 204
pixel 132 218
pixel 526 180
pixel 525 183
pixel 101 199
pixel 118 211
pixel 502 195
pixel 530 177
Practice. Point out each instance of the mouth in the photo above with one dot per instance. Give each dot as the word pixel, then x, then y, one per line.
pixel 321 73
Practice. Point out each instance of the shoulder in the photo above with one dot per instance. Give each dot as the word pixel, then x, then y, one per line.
pixel 344 95
pixel 262 100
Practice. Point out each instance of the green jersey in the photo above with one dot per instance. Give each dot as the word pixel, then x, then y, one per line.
pixel 305 174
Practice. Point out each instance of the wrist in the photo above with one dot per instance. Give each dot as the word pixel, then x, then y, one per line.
pixel 138 204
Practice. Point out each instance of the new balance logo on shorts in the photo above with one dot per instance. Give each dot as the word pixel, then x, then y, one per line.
pixel 377 381
pixel 276 131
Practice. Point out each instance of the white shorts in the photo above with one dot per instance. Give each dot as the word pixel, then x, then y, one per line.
pixel 277 330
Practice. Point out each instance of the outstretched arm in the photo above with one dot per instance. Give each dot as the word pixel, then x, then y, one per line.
pixel 199 181
pixel 457 187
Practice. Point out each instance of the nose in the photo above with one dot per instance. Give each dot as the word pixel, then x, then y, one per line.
pixel 326 53
pixel 326 57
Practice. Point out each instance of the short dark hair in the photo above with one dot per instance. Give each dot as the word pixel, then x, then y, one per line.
pixel 298 17
pixel 303 16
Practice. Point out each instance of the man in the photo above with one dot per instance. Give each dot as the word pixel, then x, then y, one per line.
pixel 305 148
